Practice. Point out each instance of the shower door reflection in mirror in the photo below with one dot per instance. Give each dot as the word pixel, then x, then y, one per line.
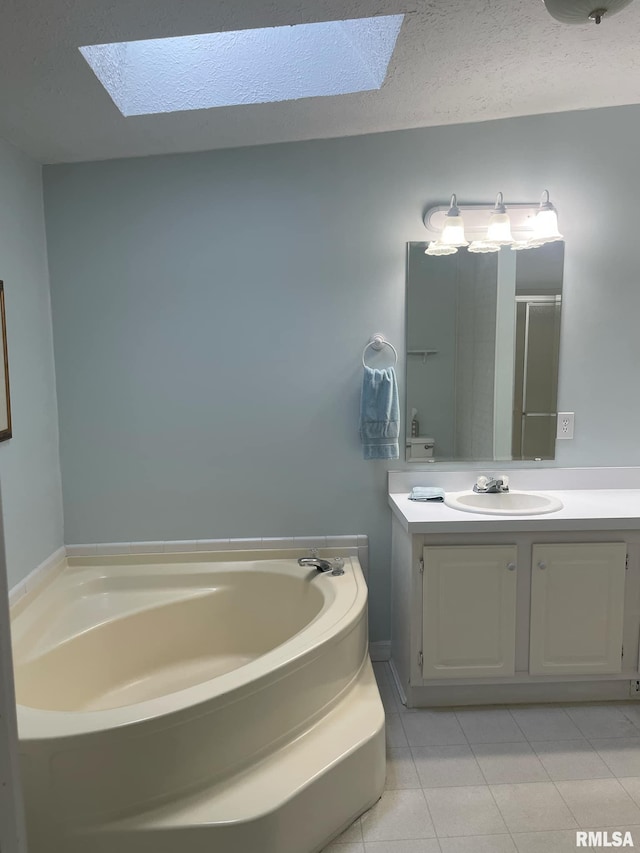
pixel 482 354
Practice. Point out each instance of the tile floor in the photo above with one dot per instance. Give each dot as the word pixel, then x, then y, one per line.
pixel 519 779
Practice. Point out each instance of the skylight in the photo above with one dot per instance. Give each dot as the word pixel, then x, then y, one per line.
pixel 245 67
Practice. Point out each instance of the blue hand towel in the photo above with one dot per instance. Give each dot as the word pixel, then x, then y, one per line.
pixel 379 414
pixel 426 493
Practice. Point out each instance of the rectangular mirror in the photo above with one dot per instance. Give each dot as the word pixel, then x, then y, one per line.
pixel 482 347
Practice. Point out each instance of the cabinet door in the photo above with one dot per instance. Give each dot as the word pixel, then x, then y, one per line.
pixel 577 606
pixel 469 611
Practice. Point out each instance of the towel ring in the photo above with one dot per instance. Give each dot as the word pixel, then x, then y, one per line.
pixel 377 342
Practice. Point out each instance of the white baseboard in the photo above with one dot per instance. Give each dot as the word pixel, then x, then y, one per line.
pixel 517 694
pixel 37 576
pixel 380 651
pixel 398 683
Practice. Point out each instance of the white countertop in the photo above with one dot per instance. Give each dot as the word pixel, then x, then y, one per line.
pixel 593 509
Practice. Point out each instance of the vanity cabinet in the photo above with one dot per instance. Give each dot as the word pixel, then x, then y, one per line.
pixel 514 614
pixel 469 607
pixel 577 608
pixel 469 611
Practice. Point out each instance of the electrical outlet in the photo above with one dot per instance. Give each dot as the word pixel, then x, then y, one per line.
pixel 565 425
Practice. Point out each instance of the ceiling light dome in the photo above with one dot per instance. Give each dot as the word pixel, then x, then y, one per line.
pixel 583 11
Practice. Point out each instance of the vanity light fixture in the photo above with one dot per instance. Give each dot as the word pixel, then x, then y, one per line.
pixel 436 248
pixel 583 11
pixel 499 230
pixel 525 226
pixel 453 229
pixel 545 226
pixel 452 236
pixel 483 247
pixel 518 245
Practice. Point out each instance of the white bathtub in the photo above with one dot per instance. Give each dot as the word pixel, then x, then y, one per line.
pixel 219 702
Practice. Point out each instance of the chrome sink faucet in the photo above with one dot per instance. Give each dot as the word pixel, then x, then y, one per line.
pixel 334 566
pixel 491 485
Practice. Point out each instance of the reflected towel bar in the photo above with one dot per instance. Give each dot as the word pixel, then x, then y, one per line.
pixel 377 342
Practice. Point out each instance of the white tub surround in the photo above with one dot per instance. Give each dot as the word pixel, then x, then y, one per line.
pixel 351 545
pixel 45 571
pixel 496 608
pixel 208 702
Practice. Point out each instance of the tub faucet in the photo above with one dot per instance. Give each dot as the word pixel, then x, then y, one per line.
pixel 491 485
pixel 332 567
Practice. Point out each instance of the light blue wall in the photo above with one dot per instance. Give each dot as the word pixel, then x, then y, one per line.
pixel 210 312
pixel 29 463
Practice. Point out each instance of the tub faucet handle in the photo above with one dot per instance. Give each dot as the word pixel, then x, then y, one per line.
pixel 333 566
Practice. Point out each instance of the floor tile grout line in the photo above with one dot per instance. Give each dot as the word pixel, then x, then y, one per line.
pixel 633 722
pixel 620 778
pixel 599 754
pixel 478 835
pixel 488 786
pixel 591 780
pixel 583 738
pixel 571 829
pixel 490 742
pixel 571 812
pixel 433 823
pixel 562 740
pixel 395 695
pixel 580 739
pixel 571 720
pixel 413 764
pixel 512 743
pixel 466 737
pixel 559 707
pixel 394 840
pixel 504 820
pixel 366 847
pixel 613 705
pixel 496 803
pixel 517 725
pixel 451 746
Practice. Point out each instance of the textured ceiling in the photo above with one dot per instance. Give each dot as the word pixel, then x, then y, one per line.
pixel 455 61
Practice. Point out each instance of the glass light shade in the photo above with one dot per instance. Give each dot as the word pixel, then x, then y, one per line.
pixel 499 230
pixel 545 226
pixel 453 232
pixel 583 11
pixel 524 244
pixel 483 247
pixel 436 248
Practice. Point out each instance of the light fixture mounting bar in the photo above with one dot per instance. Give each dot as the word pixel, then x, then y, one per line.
pixel 476 219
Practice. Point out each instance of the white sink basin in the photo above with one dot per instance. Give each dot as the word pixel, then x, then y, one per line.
pixel 504 503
